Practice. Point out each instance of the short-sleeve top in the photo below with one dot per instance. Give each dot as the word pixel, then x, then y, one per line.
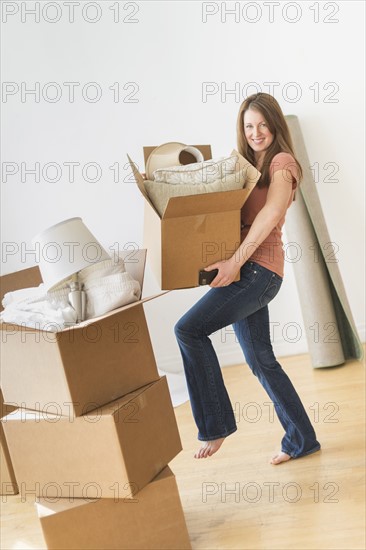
pixel 270 253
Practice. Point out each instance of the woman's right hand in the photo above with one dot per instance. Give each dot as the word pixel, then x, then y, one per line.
pixel 228 270
pixel 143 175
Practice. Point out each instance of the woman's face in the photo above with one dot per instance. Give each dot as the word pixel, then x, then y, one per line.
pixel 257 133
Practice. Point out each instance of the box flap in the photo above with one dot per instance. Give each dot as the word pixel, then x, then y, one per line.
pixel 135 260
pixel 206 203
pixel 140 184
pixel 46 508
pixel 205 150
pixel 108 314
pixel 251 172
pixel 148 298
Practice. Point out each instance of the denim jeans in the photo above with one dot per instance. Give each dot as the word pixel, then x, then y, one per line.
pixel 244 304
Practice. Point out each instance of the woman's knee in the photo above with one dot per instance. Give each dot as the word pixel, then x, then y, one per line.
pixel 187 327
pixel 178 329
pixel 182 328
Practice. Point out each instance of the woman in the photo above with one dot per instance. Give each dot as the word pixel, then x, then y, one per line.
pixel 264 139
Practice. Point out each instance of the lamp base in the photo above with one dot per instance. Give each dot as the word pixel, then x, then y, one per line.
pixel 77 299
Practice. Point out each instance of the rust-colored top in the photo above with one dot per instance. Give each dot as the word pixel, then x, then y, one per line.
pixel 270 253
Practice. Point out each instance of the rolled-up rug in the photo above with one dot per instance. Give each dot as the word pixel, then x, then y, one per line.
pixel 330 329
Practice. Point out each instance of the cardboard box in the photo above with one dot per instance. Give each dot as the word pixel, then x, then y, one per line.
pixel 195 231
pixel 114 450
pixel 8 483
pixel 80 368
pixel 153 519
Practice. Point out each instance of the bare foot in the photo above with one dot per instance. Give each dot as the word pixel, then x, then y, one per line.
pixel 280 457
pixel 209 448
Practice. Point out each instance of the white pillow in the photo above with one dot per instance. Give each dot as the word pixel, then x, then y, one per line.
pixel 102 269
pixel 160 193
pixel 207 171
pixel 110 292
pixel 108 286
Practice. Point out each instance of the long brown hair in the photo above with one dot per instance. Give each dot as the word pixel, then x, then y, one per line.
pixel 282 142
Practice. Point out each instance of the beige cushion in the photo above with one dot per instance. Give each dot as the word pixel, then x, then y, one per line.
pixel 160 193
pixel 207 171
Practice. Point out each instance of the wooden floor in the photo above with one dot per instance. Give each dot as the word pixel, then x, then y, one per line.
pixel 236 499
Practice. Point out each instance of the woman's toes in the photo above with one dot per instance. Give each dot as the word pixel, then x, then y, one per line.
pixel 209 448
pixel 280 457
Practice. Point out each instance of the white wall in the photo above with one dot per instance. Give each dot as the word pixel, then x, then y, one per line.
pixel 169 53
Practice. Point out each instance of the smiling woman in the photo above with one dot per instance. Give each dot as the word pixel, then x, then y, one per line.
pixel 262 132
pixel 257 133
pixel 264 139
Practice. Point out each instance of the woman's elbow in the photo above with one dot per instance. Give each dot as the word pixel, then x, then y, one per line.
pixel 276 214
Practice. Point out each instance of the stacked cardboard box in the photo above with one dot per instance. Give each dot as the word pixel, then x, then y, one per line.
pixel 94 429
pixel 153 519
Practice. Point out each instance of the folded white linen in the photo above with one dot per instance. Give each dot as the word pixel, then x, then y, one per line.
pixel 27 294
pixel 207 171
pixel 34 308
pixel 107 285
pixel 160 193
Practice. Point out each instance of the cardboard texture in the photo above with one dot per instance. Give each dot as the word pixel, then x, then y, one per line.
pixel 80 368
pixel 114 450
pixel 153 519
pixel 8 483
pixel 195 231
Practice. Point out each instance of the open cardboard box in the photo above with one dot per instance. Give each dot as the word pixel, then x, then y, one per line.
pixel 153 519
pixel 82 367
pixel 194 231
pixel 8 484
pixel 112 451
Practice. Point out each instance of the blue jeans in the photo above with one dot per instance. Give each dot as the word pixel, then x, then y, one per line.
pixel 244 304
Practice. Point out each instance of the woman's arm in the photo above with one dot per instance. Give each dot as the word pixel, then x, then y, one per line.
pixel 278 196
pixel 279 193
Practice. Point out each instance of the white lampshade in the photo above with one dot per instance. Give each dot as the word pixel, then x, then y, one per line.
pixel 65 249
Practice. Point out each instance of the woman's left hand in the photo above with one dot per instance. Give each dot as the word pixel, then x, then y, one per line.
pixel 228 270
